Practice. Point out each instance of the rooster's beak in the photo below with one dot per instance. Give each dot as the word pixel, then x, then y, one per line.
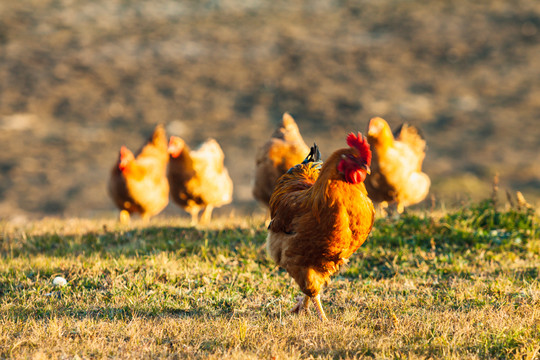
pixel 367 168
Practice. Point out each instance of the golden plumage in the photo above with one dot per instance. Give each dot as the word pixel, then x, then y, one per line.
pixel 397 175
pixel 319 220
pixel 138 183
pixel 198 178
pixel 285 149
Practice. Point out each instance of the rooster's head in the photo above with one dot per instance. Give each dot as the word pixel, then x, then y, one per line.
pixel 355 164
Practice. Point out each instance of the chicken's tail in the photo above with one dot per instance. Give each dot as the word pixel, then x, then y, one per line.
pixel 411 135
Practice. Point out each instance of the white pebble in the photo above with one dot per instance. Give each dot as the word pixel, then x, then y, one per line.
pixel 59 281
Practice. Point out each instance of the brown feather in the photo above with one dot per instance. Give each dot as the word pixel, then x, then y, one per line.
pixel 318 221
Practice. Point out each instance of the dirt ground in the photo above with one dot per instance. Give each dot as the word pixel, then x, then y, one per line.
pixel 80 78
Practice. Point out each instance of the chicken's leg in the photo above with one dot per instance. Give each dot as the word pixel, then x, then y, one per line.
pixel 124 217
pixel 145 218
pixel 318 306
pixel 207 214
pixel 302 304
pixel 383 207
pixel 194 216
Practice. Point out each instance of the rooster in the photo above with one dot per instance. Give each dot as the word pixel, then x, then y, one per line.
pixel 321 215
pixel 138 184
pixel 198 178
pixel 397 175
pixel 285 149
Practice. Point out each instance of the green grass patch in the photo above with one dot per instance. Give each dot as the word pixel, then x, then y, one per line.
pixel 459 285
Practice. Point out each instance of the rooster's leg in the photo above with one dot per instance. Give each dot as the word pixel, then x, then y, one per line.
pixel 302 304
pixel 207 214
pixel 318 306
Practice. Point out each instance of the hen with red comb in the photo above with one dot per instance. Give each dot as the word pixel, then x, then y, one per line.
pixel 138 183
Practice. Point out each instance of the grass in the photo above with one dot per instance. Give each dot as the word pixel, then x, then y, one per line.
pixel 462 285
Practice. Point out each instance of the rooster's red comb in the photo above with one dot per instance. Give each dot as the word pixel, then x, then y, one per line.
pixel 360 143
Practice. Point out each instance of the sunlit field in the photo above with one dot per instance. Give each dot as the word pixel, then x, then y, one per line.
pixel 459 284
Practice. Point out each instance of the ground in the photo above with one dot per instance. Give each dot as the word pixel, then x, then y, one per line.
pixel 446 285
pixel 78 79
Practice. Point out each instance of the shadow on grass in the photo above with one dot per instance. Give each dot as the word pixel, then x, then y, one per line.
pixel 443 245
pixel 137 242
pixel 395 245
pixel 122 313
pixel 477 226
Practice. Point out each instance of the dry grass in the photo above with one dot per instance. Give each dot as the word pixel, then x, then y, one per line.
pixel 462 285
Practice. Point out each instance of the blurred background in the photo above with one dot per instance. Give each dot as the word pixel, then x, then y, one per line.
pixel 80 78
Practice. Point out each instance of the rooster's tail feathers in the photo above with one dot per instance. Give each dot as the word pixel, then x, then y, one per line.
pixel 312 161
pixel 314 155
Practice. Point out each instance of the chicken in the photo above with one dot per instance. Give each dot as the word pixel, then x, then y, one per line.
pixel 321 215
pixel 198 178
pixel 397 175
pixel 138 184
pixel 285 149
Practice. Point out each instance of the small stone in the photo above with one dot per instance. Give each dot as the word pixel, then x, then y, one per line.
pixel 59 281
